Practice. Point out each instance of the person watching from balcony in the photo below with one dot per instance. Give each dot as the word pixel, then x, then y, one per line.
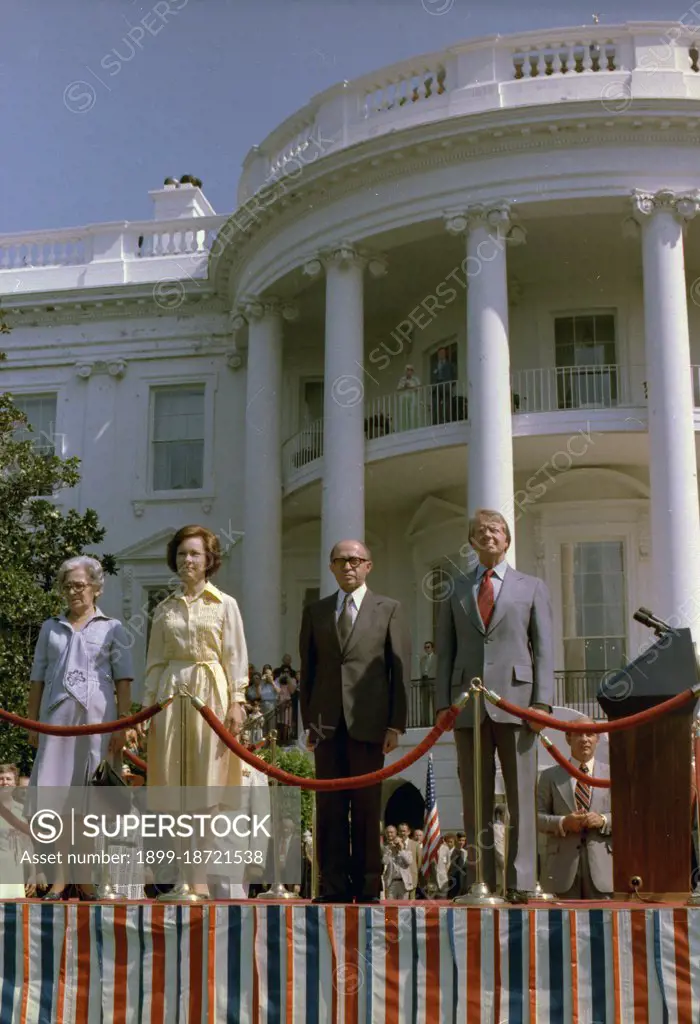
pixel 408 399
pixel 427 664
pixel 578 823
pixel 497 626
pixel 444 373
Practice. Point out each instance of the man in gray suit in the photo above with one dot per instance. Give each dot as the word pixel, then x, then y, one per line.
pixel 355 670
pixel 497 625
pixel 578 822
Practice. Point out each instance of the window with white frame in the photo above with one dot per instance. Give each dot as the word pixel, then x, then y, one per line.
pixel 40 411
pixel 178 438
pixel 594 606
pixel 585 357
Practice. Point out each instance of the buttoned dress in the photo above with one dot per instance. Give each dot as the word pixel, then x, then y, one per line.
pixel 79 669
pixel 200 645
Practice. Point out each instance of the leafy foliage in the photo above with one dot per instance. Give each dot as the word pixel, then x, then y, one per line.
pixel 35 538
pixel 296 762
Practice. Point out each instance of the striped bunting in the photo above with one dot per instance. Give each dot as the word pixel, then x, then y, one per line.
pixel 421 964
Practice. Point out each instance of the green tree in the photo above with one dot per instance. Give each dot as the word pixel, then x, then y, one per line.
pixel 296 762
pixel 35 537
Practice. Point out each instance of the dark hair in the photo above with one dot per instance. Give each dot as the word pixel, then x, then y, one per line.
pixel 212 548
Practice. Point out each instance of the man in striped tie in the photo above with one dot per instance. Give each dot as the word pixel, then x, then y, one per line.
pixel 578 822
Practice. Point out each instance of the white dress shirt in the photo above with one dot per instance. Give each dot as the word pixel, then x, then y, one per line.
pixel 590 765
pixel 354 603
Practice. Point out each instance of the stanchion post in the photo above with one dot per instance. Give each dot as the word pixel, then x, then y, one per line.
pixel 479 894
pixel 694 898
pixel 277 891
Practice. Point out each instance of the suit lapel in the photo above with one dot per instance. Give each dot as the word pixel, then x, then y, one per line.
pixel 468 601
pixel 328 617
pixel 363 620
pixel 567 787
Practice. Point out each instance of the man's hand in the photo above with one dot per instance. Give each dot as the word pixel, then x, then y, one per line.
pixel 391 741
pixel 235 718
pixel 442 716
pixel 575 822
pixel 594 820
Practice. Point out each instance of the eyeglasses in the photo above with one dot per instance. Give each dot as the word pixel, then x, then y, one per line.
pixel 77 588
pixel 353 562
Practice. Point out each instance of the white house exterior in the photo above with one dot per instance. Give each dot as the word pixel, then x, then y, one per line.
pixel 526 202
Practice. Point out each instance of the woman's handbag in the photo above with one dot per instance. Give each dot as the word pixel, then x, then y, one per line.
pixel 105 775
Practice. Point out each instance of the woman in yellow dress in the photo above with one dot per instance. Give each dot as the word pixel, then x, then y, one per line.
pixel 197 642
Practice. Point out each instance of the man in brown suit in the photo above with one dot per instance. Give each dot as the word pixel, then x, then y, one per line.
pixel 355 669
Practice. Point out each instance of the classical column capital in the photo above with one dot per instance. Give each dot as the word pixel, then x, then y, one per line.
pixel 345 254
pixel 251 309
pixel 683 205
pixel 496 216
pixel 116 368
pixel 84 370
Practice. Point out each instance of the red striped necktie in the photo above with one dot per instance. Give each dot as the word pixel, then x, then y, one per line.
pixel 583 793
pixel 486 598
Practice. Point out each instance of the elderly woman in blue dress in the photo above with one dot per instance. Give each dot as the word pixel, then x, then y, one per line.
pixel 81 674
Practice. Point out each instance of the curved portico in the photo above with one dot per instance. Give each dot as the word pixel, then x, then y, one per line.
pixel 439 194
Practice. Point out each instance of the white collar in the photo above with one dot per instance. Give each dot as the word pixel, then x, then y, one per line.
pixel 357 597
pixel 579 764
pixel 498 570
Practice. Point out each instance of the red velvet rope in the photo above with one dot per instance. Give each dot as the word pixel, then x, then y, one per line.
pixel 631 722
pixel 576 773
pixel 84 730
pixel 325 785
pixel 138 762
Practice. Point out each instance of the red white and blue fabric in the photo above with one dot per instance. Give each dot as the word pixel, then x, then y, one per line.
pixel 431 822
pixel 312 964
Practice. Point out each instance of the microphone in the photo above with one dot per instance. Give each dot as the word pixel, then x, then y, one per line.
pixel 647 618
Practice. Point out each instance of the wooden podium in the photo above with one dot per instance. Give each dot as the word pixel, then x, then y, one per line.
pixel 650 768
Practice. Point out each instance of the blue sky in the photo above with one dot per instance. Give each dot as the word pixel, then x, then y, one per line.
pixel 209 80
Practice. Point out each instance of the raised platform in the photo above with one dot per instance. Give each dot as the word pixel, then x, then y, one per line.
pixel 245 962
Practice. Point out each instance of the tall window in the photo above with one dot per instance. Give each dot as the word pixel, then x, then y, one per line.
pixel 154 595
pixel 40 410
pixel 594 606
pixel 582 344
pixel 178 438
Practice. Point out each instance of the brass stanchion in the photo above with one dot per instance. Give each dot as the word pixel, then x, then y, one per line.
pixel 479 894
pixel 314 854
pixel 694 898
pixel 182 892
pixel 277 891
pixel 538 895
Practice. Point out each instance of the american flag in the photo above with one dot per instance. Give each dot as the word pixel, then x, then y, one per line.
pixel 431 826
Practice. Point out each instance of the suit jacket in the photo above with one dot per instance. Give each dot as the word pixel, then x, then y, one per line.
pixel 514 656
pixel 555 799
pixel 403 861
pixel 367 681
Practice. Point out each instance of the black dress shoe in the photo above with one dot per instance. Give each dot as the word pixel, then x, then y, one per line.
pixel 367 899
pixel 340 898
pixel 517 896
pixel 55 897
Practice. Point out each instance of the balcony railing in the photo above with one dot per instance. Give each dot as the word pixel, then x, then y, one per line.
pixel 572 689
pixel 139 240
pixel 553 388
pixel 495 73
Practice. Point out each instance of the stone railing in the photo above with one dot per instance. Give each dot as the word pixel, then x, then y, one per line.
pixel 554 388
pixel 611 64
pixel 102 243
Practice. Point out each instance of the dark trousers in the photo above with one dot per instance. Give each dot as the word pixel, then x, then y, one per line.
pixel 347 821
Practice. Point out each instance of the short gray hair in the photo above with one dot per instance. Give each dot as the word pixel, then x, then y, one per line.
pixel 92 567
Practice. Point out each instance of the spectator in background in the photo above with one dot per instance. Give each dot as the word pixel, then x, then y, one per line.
pixel 427 682
pixel 397 866
pixel 458 867
pixel 288 677
pixel 412 846
pixel 269 694
pixel 408 399
pixel 442 868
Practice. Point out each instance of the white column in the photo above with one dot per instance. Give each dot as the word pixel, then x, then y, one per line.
pixel 675 513
pixel 261 594
pixel 343 487
pixel 490 465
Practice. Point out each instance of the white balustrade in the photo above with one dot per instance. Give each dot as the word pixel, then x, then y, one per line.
pixel 406 89
pixel 556 58
pixel 553 388
pixel 44 249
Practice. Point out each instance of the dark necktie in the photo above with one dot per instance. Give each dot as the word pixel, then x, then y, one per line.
pixel 583 793
pixel 486 598
pixel 345 621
